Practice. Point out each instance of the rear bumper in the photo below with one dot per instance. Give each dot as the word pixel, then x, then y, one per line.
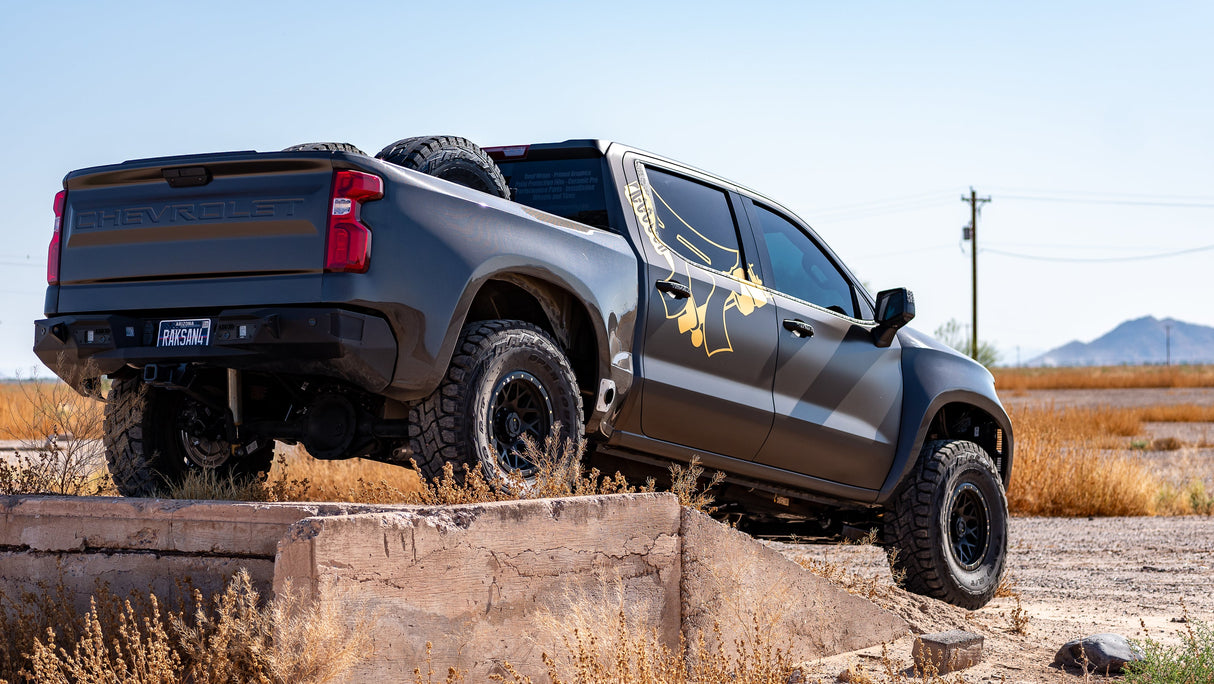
pixel 347 345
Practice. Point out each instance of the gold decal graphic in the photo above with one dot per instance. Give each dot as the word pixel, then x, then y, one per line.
pixel 702 316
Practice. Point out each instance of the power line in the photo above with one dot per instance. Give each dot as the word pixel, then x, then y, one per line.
pixel 1142 257
pixel 1104 194
pixel 1085 246
pixel 1138 203
pixel 878 211
pixel 890 200
pixel 903 252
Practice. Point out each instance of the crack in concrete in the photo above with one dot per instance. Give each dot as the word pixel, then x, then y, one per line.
pixel 114 551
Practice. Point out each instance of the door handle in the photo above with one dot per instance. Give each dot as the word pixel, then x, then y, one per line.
pixel 798 327
pixel 674 289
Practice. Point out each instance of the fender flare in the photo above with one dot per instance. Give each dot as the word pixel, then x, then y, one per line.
pixel 934 379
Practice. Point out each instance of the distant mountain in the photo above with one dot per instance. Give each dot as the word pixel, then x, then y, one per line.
pixel 1140 341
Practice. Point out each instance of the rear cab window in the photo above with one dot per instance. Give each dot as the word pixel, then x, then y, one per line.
pixel 570 187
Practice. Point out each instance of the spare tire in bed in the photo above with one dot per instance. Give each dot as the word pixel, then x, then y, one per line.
pixel 324 146
pixel 449 158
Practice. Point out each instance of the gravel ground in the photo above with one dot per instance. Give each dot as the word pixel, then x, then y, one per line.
pixel 1074 577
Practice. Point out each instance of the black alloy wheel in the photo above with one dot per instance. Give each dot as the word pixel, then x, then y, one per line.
pixel 201 431
pixel 521 406
pixel 969 526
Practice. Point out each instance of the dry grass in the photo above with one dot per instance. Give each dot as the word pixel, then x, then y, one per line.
pixel 1175 413
pixel 1061 470
pixel 1063 465
pixel 34 409
pixel 621 650
pixel 1103 377
pixel 868 586
pixel 58 431
pixel 560 472
pixel 234 637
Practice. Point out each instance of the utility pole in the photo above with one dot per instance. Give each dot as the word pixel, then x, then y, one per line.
pixel 1167 331
pixel 971 234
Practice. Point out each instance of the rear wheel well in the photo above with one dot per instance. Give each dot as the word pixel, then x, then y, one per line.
pixel 553 309
pixel 968 422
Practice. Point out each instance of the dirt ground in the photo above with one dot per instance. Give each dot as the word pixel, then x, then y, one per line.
pixel 1074 577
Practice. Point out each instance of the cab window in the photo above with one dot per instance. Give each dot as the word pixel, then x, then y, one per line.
pixel 695 221
pixel 800 268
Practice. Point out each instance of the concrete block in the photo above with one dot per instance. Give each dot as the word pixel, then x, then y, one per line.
pixel 490 583
pixel 77 523
pixel 134 544
pixel 948 651
pixel 731 579
pixel 124 573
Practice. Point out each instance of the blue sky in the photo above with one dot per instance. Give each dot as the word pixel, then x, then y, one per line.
pixel 868 119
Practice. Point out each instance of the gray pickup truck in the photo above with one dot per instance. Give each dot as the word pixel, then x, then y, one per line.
pixel 438 301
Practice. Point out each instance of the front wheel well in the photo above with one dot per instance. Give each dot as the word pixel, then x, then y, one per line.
pixel 959 420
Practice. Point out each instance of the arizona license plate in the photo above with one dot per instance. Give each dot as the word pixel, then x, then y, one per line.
pixel 187 333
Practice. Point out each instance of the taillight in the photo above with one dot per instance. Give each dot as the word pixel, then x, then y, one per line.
pixel 52 256
pixel 348 244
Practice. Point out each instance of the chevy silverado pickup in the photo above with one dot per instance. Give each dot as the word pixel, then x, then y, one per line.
pixel 439 301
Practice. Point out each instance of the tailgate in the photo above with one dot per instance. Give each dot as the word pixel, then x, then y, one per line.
pixel 204 216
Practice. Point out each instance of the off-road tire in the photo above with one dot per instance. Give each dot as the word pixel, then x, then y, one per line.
pixel 143 446
pixel 454 423
pixel 324 147
pixel 449 158
pixel 954 483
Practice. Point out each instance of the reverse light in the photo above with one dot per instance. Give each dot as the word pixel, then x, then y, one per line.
pixel 52 256
pixel 348 242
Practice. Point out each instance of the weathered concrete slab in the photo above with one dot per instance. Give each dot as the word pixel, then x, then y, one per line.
pixel 127 572
pixel 134 544
pixel 736 582
pixel 485 583
pixel 477 580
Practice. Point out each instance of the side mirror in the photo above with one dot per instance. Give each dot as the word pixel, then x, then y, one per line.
pixel 895 308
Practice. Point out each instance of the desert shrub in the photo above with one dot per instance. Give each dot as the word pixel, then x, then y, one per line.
pixel 1182 500
pixel 1189 662
pixel 234 637
pixel 59 433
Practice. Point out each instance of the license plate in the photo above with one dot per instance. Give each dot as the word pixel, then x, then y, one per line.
pixel 188 333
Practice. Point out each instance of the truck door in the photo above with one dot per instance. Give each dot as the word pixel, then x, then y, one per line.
pixel 710 334
pixel 837 396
